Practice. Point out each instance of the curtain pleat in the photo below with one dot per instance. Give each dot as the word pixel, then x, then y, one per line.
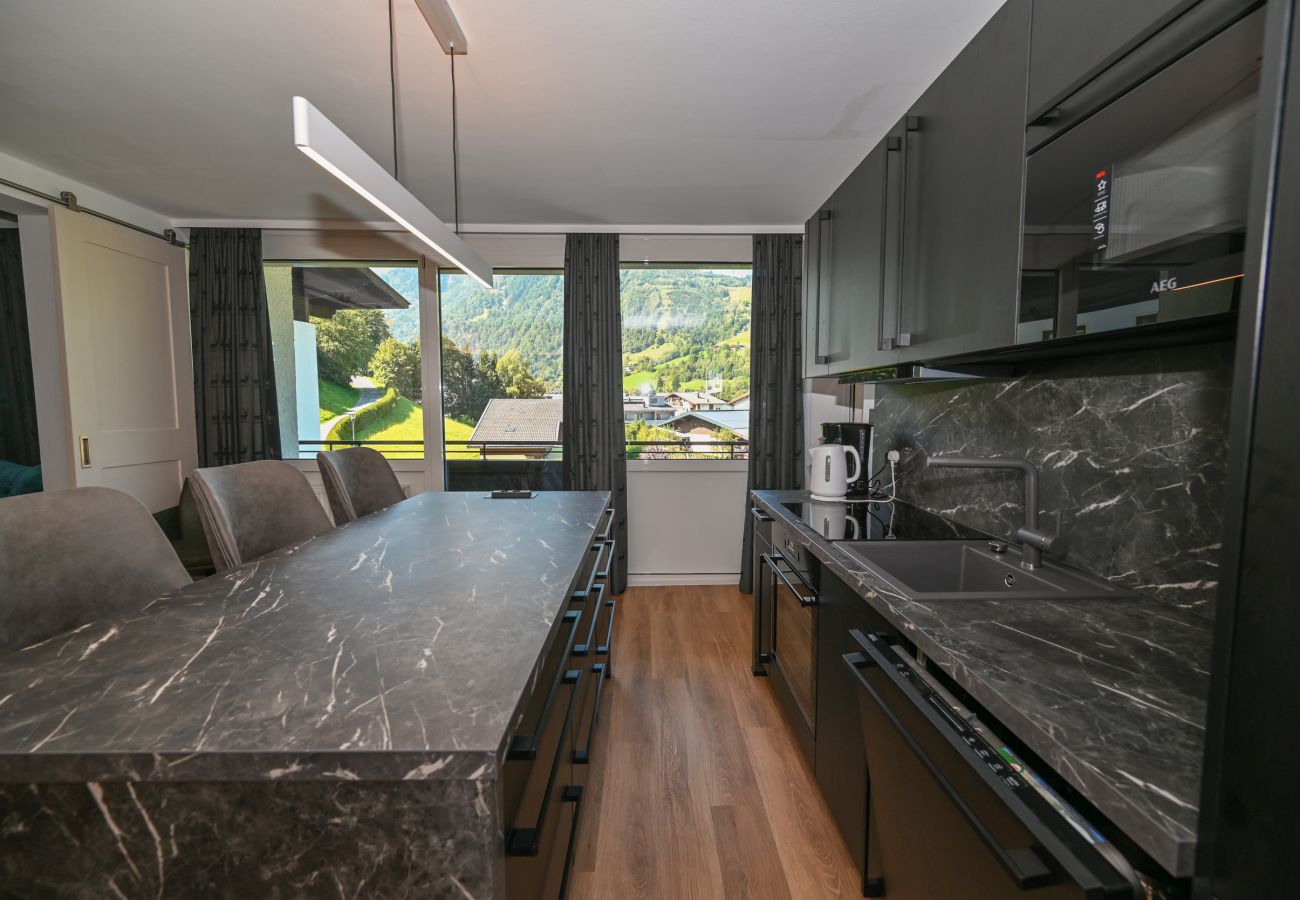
pixel 776 377
pixel 595 449
pixel 18 436
pixel 234 372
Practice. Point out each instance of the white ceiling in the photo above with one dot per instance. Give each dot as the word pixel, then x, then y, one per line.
pixel 682 112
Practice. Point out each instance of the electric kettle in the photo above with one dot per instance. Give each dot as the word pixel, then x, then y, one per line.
pixel 829 477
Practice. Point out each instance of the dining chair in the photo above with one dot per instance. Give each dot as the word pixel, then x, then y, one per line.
pixel 255 508
pixel 358 481
pixel 70 557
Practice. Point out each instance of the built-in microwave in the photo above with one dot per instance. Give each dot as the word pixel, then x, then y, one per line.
pixel 1135 214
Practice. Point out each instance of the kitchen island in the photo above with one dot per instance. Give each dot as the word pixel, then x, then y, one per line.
pixel 333 719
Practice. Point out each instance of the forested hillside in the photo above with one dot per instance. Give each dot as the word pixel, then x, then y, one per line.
pixel 680 326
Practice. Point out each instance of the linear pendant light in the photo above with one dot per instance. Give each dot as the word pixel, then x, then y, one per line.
pixel 338 154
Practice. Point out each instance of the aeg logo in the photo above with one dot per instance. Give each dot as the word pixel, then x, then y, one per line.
pixel 1164 284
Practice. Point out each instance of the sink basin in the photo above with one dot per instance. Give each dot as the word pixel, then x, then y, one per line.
pixel 949 570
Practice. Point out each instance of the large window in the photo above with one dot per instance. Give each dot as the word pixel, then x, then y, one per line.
pixel 502 366
pixel 686 361
pixel 346 341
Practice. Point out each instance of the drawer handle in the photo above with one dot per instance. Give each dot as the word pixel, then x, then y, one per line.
pixel 585 647
pixel 611 547
pixel 572 794
pixel 759 514
pixel 597 548
pixel 524 840
pixel 603 649
pixel 524 746
pixel 582 755
pixel 608 516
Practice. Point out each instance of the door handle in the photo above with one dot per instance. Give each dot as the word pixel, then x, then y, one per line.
pixel 806 597
pixel 84 443
pixel 823 251
pixel 1023 864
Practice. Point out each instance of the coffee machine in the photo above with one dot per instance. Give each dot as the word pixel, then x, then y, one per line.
pixel 858 436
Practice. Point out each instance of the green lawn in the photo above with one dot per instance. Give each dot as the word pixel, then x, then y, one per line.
pixel 405 423
pixel 632 383
pixel 335 399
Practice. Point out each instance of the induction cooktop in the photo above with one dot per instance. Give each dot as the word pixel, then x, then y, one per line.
pixel 876 520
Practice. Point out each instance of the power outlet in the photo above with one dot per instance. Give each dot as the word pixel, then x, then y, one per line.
pixel 893 456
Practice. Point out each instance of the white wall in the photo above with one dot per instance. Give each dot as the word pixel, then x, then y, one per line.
pixel 307 383
pixel 684 520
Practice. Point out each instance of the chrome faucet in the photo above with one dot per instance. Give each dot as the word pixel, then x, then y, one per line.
pixel 1035 542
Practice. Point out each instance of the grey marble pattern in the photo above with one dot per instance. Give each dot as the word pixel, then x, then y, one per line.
pixel 1111 694
pixel 1131 451
pixel 399 646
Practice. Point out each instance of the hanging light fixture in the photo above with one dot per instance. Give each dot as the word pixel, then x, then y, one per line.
pixel 325 143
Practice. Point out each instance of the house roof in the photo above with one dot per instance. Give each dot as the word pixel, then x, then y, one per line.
pixel 327 289
pixel 515 421
pixel 736 420
pixel 695 397
pixel 736 399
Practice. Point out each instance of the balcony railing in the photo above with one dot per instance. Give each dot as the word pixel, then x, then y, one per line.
pixel 541 450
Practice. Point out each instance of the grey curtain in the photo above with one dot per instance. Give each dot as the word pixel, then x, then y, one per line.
pixel 775 376
pixel 595 450
pixel 18 442
pixel 234 375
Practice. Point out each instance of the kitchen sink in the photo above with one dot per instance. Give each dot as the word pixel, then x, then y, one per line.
pixel 972 570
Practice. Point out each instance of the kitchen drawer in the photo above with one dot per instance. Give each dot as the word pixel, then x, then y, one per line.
pixel 786 543
pixel 540 840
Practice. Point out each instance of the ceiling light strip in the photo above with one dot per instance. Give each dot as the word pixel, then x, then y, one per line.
pixel 338 154
pixel 443 24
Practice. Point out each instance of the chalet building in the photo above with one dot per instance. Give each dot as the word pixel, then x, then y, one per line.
pixel 694 400
pixel 527 428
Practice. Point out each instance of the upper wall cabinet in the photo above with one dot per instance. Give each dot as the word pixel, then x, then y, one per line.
pixel 963 161
pixel 1073 41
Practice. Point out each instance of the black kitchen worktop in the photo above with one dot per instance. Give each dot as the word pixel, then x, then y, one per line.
pixel 874 520
pixel 1111 694
pixel 398 646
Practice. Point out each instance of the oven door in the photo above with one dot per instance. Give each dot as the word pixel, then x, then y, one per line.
pixel 794 644
pixel 1136 215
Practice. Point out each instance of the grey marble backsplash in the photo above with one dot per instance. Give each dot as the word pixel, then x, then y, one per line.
pixel 1131 449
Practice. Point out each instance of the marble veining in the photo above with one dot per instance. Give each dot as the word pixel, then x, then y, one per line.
pixel 1131 451
pixel 1111 694
pixel 398 647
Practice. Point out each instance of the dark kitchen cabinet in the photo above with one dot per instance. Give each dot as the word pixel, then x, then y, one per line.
pixel 816 284
pixel 963 160
pixel 854 241
pixel 841 763
pixel 1071 41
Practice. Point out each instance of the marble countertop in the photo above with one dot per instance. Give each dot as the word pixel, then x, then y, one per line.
pixel 399 646
pixel 1112 694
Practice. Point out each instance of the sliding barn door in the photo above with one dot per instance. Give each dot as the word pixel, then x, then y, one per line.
pixel 124 311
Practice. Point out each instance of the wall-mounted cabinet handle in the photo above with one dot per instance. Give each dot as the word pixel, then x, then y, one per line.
pixel 524 840
pixel 84 449
pixel 823 273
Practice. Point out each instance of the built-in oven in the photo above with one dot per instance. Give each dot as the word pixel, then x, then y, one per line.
pixel 789 574
pixel 1136 209
pixel 955 813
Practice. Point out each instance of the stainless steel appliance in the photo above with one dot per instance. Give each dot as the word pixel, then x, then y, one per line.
pixel 858 436
pixel 790 574
pixel 953 813
pixel 1135 211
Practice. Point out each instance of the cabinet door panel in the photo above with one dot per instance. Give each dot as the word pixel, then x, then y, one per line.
pixel 964 161
pixel 857 276
pixel 1072 41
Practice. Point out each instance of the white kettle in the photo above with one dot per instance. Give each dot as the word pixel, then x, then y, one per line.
pixel 829 477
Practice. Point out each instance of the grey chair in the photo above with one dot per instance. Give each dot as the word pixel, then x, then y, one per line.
pixel 358 481
pixel 252 509
pixel 70 557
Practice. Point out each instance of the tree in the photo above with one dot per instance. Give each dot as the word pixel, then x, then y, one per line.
pixel 396 364
pixel 515 377
pixel 346 342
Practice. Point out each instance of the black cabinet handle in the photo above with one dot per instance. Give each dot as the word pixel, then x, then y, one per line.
pixel 572 794
pixel 823 272
pixel 611 548
pixel 599 549
pixel 596 601
pixel 1025 867
pixel 524 746
pixel 608 516
pixel 804 592
pixel 524 840
pixel 603 649
pixel 582 755
pixel 759 514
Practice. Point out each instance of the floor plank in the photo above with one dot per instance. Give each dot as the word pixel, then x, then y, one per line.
pixel 699 791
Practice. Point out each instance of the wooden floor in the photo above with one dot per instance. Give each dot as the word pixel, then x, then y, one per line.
pixel 699 790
